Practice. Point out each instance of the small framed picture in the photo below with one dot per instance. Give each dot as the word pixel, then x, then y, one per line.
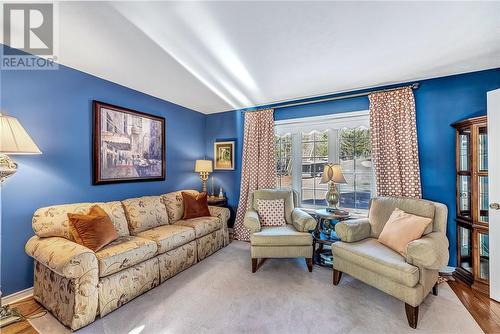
pixel 224 155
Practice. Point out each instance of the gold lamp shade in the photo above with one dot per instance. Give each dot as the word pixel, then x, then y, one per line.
pixel 14 139
pixel 333 172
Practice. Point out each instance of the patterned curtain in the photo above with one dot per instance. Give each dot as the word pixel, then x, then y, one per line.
pixel 393 135
pixel 258 166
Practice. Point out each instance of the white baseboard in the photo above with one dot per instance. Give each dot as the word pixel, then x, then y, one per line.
pixel 17 296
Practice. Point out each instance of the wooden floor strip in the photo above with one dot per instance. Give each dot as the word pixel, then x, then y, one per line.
pixel 484 310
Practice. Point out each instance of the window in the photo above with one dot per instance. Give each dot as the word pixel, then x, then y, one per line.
pixel 283 158
pixel 314 157
pixel 304 146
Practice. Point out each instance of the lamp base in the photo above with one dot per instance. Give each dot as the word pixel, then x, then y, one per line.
pixel 7 167
pixel 332 196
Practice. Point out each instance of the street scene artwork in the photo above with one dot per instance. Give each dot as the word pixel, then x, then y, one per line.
pixel 128 145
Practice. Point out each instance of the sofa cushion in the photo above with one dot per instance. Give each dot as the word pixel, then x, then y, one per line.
pixel 175 205
pixel 281 236
pixel 381 209
pixel 53 221
pixel 123 253
pixel 372 255
pixel 168 237
pixel 202 225
pixel 144 213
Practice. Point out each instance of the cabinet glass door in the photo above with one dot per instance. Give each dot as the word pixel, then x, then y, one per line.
pixel 465 239
pixel 482 149
pixel 482 199
pixel 465 196
pixel 464 150
pixel 484 256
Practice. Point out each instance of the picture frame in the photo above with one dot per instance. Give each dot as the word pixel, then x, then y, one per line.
pixel 128 145
pixel 224 155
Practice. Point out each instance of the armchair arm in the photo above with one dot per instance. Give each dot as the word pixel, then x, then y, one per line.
pixel 64 257
pixel 252 221
pixel 353 230
pixel 302 221
pixel 430 251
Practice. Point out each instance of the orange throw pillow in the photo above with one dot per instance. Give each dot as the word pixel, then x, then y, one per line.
pixel 94 230
pixel 401 229
pixel 195 205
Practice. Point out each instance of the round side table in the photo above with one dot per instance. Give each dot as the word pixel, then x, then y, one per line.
pixel 321 256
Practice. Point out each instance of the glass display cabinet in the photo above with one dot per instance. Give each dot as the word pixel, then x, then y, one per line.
pixel 472 202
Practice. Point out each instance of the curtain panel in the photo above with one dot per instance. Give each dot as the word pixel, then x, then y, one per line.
pixel 393 136
pixel 258 165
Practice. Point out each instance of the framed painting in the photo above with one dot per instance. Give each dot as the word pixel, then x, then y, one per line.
pixel 128 145
pixel 224 155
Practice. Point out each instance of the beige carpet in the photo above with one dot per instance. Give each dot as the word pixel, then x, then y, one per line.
pixel 221 295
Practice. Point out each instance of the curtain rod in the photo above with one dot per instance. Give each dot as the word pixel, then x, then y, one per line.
pixel 328 99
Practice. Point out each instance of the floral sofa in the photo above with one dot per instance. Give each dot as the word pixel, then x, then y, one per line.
pixel 154 244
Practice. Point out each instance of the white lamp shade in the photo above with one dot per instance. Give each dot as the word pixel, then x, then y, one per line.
pixel 333 172
pixel 14 139
pixel 203 166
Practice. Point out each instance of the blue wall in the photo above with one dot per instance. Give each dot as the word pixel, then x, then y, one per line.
pixel 55 108
pixel 439 102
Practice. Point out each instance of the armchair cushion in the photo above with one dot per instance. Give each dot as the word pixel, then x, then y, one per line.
pixel 201 225
pixel 401 229
pixel 302 221
pixel 123 253
pixel 271 212
pixel 353 230
pixel 375 257
pixel 252 221
pixel 280 236
pixel 64 257
pixel 272 194
pixel 430 251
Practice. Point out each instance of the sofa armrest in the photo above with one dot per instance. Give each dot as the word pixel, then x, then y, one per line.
pixel 252 221
pixel 430 251
pixel 353 230
pixel 302 221
pixel 64 257
pixel 220 212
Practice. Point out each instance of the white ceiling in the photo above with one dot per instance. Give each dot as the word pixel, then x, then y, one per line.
pixel 218 56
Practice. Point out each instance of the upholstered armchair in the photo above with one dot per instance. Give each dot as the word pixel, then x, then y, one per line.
pixel 409 278
pixel 290 241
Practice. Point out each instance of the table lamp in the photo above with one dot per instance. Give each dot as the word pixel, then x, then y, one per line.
pixel 204 167
pixel 13 140
pixel 332 174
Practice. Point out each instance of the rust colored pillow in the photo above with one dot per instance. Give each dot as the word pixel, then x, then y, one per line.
pixel 195 205
pixel 94 230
